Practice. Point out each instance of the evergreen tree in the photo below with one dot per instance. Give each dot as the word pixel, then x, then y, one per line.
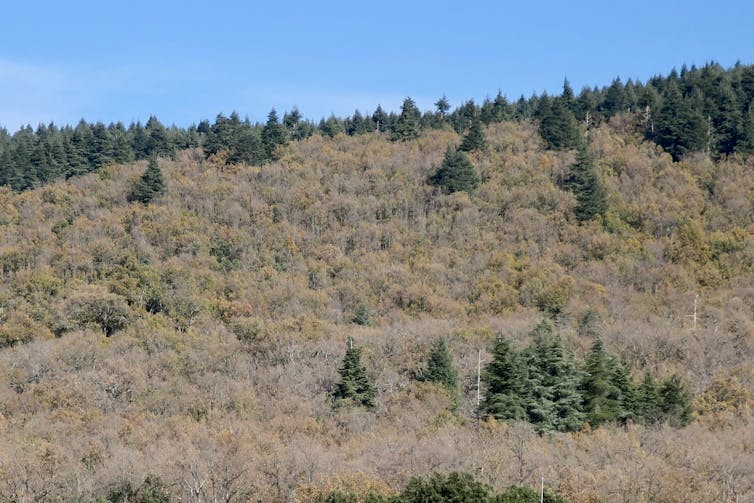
pixel 455 488
pixel 408 124
pixel 675 402
pixel 506 382
pixel 558 126
pixel 554 402
pixel 648 405
pixel 679 128
pixel 584 181
pixel 355 384
pixel 150 186
pixel 273 134
pixel 474 139
pixel 442 105
pixel 456 173
pixel 440 368
pixel 381 120
pixel 602 399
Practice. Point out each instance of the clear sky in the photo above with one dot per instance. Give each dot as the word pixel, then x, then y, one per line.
pixel 188 60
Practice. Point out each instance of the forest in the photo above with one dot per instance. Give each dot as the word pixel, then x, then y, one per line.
pixel 460 304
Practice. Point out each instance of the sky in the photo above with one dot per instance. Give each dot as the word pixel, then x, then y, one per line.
pixel 184 61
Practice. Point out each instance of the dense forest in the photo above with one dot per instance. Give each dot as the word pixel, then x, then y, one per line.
pixel 456 305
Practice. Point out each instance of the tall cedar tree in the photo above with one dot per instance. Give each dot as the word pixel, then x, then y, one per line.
pixel 506 381
pixel 273 134
pixel 408 125
pixel 456 173
pixel 440 368
pixel 355 386
pixel 602 399
pixel 474 139
pixel 150 186
pixel 680 128
pixel 584 181
pixel 559 127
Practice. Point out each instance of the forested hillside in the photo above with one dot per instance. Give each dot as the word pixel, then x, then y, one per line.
pixel 276 312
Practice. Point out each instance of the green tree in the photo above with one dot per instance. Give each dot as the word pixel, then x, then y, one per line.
pixel 273 134
pixel 584 181
pixel 455 488
pixel 355 385
pixel 474 139
pixel 559 127
pixel 407 127
pixel 506 381
pixel 456 173
pixel 150 186
pixel 648 406
pixel 440 368
pixel 675 402
pixel 602 402
pixel 679 127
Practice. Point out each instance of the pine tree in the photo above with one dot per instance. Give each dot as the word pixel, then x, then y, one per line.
pixel 648 405
pixel 601 397
pixel 554 402
pixel 679 128
pixel 150 186
pixel 675 402
pixel 584 181
pixel 456 173
pixel 355 385
pixel 474 139
pixel 407 127
pixel 273 135
pixel 440 368
pixel 505 378
pixel 559 127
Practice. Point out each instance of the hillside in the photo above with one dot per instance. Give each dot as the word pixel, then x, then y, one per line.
pixel 198 338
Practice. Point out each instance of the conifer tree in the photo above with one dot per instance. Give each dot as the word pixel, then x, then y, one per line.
pixel 408 123
pixel 559 127
pixel 440 368
pixel 679 128
pixel 648 406
pixel 584 181
pixel 273 134
pixel 456 173
pixel 150 186
pixel 355 386
pixel 474 139
pixel 506 384
pixel 675 402
pixel 601 397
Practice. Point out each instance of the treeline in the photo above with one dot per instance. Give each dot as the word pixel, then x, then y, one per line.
pixel 544 385
pixel 707 109
pixel 456 487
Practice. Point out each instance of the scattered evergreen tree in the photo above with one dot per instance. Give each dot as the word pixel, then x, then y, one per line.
pixel 381 120
pixel 584 181
pixel 355 386
pixel 442 105
pixel 407 127
pixel 440 368
pixel 602 399
pixel 506 381
pixel 363 315
pixel 455 488
pixel 675 402
pixel 150 186
pixel 456 173
pixel 648 404
pixel 474 139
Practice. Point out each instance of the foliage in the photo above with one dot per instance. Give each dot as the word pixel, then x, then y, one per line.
pixel 355 386
pixel 440 368
pixel 150 186
pixel 584 181
pixel 407 127
pixel 456 173
pixel 474 139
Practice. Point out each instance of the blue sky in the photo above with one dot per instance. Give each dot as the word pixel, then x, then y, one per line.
pixel 189 60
